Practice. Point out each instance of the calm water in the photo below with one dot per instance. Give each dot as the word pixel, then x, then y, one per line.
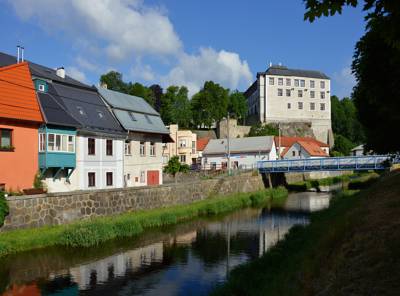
pixel 187 259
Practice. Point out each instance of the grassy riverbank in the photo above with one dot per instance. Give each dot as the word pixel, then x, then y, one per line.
pixel 93 232
pixel 351 248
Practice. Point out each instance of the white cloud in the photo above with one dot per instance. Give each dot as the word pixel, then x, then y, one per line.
pixel 344 82
pixel 223 67
pixel 144 72
pixel 75 73
pixel 122 27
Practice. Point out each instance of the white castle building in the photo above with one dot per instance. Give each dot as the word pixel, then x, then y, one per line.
pixel 282 95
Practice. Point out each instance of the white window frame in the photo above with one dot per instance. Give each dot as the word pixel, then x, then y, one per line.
pixel 152 149
pixel 296 82
pixel 142 148
pixel 322 107
pixel 312 94
pixel 300 93
pixel 271 81
pixel 300 105
pixel 288 82
pixel 322 84
pixel 280 81
pixel 312 106
pixel 288 92
pixel 280 92
pixel 312 83
pixel 128 148
pixel 64 140
pixel 302 83
pixel 322 95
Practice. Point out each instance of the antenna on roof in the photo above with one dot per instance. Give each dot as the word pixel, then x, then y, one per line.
pixel 18 49
pixel 22 53
pixel 270 64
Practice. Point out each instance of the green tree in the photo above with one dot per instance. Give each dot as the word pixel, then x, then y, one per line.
pixel 376 65
pixel 158 93
pixel 342 145
pixel 210 104
pixel 142 91
pixel 3 208
pixel 114 81
pixel 263 130
pixel 176 107
pixel 237 105
pixel 174 167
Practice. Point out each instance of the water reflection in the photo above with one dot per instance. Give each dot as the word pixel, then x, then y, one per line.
pixel 187 259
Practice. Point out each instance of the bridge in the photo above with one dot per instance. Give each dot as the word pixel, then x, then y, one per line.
pixel 350 163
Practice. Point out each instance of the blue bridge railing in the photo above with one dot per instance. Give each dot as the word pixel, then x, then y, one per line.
pixel 370 162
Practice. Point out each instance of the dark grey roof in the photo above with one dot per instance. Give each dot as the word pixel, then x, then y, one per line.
pixel 53 112
pixel 134 113
pixel 284 71
pixel 40 71
pixel 87 107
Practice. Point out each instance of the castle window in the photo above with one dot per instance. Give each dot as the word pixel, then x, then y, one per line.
pixel 300 93
pixel 302 83
pixel 312 94
pixel 312 83
pixel 322 107
pixel 288 82
pixel 322 84
pixel 322 95
pixel 288 92
pixel 300 105
pixel 312 106
pixel 271 81
pixel 296 82
pixel 289 106
pixel 280 92
pixel 280 81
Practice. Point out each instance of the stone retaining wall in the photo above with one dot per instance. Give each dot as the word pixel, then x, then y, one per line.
pixel 61 208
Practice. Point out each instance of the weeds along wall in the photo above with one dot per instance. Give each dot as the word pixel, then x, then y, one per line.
pixel 62 208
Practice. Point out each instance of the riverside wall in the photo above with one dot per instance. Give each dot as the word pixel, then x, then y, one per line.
pixel 62 208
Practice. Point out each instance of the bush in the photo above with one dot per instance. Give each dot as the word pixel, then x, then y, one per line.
pixel 361 184
pixel 3 208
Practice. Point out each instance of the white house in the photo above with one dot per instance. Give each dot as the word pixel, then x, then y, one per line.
pixel 283 143
pixel 303 149
pixel 244 152
pixel 288 95
pixel 143 162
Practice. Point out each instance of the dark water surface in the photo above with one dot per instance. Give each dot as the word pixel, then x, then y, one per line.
pixel 186 259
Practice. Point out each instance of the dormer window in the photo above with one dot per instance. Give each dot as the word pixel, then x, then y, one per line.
pixel 41 87
pixel 101 115
pixel 133 118
pixel 80 110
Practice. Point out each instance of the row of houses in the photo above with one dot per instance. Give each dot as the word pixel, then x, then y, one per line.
pixel 73 135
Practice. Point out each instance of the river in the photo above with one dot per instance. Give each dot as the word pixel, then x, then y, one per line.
pixel 186 259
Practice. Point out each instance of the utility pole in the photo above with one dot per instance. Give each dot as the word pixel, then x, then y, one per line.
pixel 229 148
pixel 279 140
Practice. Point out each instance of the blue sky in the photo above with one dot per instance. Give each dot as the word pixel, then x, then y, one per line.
pixel 181 42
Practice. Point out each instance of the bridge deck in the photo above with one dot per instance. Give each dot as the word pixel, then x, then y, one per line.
pixel 370 162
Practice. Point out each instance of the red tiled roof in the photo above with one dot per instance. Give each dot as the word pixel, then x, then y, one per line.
pixel 202 143
pixel 288 141
pixel 311 147
pixel 17 94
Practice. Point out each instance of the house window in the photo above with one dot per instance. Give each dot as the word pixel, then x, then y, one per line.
pixel 288 82
pixel 5 138
pixel 109 179
pixel 296 82
pixel 57 146
pixel 312 83
pixel 42 142
pixel 142 149
pixel 322 84
pixel 271 81
pixel 152 149
pixel 300 93
pixel 280 81
pixel 182 143
pixel 109 147
pixel 182 158
pixel 322 95
pixel 50 142
pixel 132 116
pixel 91 179
pixel 300 104
pixel 312 94
pixel 91 146
pixel 193 147
pixel 302 83
pixel 280 92
pixel 71 144
pixel 322 107
pixel 128 148
pixel 288 92
pixel 41 87
pixel 293 153
pixel 312 106
pixel 289 106
pixel 142 176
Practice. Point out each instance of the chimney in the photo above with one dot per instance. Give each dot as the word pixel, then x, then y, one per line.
pixel 104 85
pixel 22 53
pixel 18 50
pixel 60 72
pixel 270 64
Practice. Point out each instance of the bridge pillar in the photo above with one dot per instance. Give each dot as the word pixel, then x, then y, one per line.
pixel 274 180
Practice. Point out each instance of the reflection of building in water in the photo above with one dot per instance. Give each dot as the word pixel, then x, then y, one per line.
pixel 307 201
pixel 117 265
pixel 185 239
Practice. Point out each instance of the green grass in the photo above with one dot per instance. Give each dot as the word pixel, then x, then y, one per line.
pixel 96 231
pixel 291 267
pixel 3 208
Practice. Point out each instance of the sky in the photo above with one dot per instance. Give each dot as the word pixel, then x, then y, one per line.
pixel 177 42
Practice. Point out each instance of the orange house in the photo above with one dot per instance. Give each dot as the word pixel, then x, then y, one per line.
pixel 20 118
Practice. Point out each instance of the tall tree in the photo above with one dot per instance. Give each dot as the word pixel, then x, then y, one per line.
pixel 376 65
pixel 237 105
pixel 140 90
pixel 175 106
pixel 157 92
pixel 114 81
pixel 210 104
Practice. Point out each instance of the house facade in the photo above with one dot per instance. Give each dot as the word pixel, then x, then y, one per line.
pixel 184 146
pixel 20 118
pixel 244 152
pixel 303 149
pixel 283 95
pixel 283 143
pixel 143 158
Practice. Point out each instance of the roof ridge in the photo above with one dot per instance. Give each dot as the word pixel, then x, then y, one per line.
pixel 5 68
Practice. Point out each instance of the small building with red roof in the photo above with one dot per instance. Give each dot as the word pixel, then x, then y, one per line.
pixel 20 118
pixel 283 143
pixel 201 145
pixel 303 149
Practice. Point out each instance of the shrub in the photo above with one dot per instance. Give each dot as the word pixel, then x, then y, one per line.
pixel 361 184
pixel 3 208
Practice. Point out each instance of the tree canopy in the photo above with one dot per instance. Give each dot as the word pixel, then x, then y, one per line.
pixel 237 105
pixel 263 130
pixel 175 106
pixel 376 66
